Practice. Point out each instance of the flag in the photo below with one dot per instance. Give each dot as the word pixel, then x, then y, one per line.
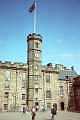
pixel 32 7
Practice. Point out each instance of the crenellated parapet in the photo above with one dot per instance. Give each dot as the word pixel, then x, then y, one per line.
pixel 13 65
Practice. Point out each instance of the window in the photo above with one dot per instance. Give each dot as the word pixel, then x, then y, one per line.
pixel 48 105
pixel 6 94
pixel 23 84
pixel 48 77
pixel 35 77
pixel 37 54
pixel 23 76
pixel 23 96
pixel 36 67
pixel 61 90
pixel 5 106
pixel 36 72
pixel 48 94
pixel 6 86
pixel 36 44
pixel 36 90
pixel 7 75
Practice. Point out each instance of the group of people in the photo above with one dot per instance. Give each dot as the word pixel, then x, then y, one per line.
pixel 36 108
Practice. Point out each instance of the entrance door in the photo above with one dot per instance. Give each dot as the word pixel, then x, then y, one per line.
pixel 62 105
pixel 36 103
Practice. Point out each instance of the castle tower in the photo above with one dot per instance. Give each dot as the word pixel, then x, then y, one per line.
pixel 34 87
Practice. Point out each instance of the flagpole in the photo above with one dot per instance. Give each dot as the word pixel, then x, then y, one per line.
pixel 35 18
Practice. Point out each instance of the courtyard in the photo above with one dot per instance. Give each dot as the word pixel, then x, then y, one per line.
pixel 61 115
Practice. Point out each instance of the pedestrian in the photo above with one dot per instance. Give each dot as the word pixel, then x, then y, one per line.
pixel 33 110
pixel 53 111
pixel 24 110
pixel 37 108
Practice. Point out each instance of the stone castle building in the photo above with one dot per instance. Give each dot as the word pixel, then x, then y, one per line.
pixel 31 83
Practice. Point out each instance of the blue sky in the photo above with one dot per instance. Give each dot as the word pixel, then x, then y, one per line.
pixel 58 21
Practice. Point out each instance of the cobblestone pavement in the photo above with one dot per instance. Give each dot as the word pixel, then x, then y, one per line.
pixel 39 116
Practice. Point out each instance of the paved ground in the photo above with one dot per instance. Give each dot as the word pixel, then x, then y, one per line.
pixel 40 116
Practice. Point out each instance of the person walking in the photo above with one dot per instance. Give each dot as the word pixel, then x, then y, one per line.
pixel 33 110
pixel 24 110
pixel 37 108
pixel 53 112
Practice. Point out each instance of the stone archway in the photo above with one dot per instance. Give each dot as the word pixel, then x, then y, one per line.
pixel 62 105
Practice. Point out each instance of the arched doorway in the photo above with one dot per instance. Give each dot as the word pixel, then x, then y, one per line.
pixel 62 105
pixel 36 103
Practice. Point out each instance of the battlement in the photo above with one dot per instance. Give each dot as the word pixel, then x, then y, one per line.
pixel 34 36
pixel 12 65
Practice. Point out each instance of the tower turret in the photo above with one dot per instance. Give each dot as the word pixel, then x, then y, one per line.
pixel 34 51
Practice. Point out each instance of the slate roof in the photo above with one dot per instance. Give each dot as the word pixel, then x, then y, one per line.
pixel 70 73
